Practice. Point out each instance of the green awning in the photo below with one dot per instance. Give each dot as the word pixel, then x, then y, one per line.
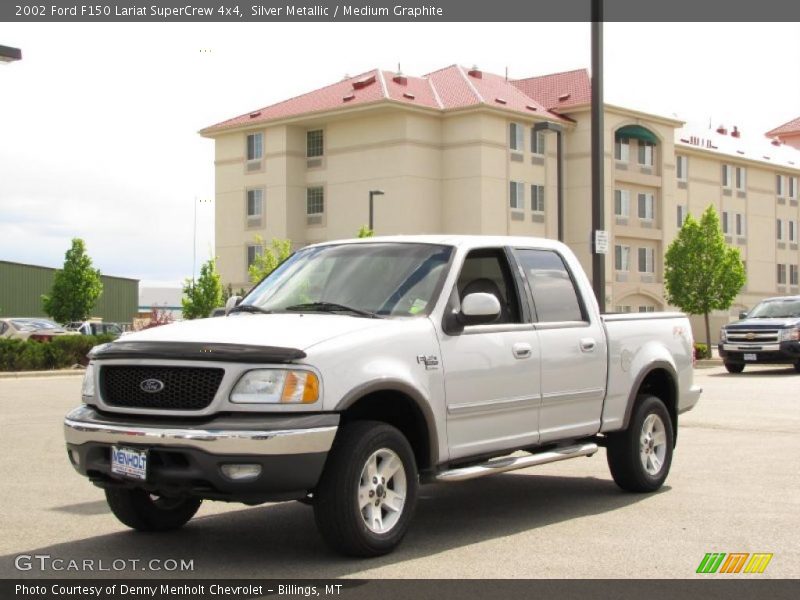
pixel 638 132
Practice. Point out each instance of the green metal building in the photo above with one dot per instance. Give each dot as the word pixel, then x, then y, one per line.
pixel 22 287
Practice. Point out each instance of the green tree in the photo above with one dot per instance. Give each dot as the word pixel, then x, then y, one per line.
pixel 365 232
pixel 204 295
pixel 271 257
pixel 702 273
pixel 76 287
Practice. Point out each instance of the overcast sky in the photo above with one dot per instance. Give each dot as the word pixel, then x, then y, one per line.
pixel 98 122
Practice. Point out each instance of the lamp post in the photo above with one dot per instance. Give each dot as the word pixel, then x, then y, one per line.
pixel 598 155
pixel 558 129
pixel 9 54
pixel 194 232
pixel 372 194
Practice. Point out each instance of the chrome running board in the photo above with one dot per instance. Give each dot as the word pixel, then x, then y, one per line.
pixel 512 463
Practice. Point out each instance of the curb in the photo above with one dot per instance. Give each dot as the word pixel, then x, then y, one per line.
pixel 33 374
pixel 708 363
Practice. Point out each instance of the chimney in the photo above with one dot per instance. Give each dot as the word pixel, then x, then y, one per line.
pixel 736 133
pixel 721 130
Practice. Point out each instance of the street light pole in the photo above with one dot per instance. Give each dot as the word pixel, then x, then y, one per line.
pixel 598 155
pixel 194 234
pixel 372 194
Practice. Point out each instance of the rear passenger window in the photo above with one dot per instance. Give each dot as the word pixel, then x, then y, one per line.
pixel 554 293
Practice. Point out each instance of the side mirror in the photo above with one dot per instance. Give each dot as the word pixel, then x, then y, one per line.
pixel 743 314
pixel 232 301
pixel 479 308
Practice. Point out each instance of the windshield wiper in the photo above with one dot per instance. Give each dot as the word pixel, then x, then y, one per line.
pixel 249 308
pixel 332 307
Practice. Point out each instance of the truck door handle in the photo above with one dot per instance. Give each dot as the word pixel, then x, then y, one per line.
pixel 587 344
pixel 521 350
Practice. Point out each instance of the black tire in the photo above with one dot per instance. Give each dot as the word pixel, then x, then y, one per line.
pixel 143 511
pixel 337 511
pixel 797 366
pixel 734 367
pixel 625 449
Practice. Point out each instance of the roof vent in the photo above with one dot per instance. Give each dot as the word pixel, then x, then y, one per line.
pixel 363 82
pixel 740 152
pixel 721 130
pixel 500 100
pixel 475 72
pixel 253 115
pixel 531 107
pixel 564 97
pixel 408 95
pixel 736 133
pixel 348 97
pixel 400 79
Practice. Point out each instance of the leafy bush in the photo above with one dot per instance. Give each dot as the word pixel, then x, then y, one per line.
pixel 701 351
pixel 60 353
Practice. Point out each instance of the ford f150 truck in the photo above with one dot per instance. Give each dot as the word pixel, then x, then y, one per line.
pixel 768 334
pixel 358 370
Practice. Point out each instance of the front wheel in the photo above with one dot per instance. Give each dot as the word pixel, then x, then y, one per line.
pixel 639 457
pixel 368 491
pixel 736 367
pixel 144 511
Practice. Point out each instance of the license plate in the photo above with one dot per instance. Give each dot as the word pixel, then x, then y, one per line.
pixel 751 356
pixel 129 462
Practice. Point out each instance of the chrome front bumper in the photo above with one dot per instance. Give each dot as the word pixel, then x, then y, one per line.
pixel 252 435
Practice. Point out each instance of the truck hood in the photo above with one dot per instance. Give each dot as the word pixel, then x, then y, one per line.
pixel 763 323
pixel 300 331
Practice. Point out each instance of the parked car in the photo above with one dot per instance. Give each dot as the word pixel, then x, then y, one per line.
pixel 359 369
pixel 33 329
pixel 95 328
pixel 768 334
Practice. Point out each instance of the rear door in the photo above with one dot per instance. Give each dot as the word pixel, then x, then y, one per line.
pixel 492 371
pixel 573 363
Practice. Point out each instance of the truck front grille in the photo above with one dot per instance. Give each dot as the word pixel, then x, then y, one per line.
pixel 752 336
pixel 161 388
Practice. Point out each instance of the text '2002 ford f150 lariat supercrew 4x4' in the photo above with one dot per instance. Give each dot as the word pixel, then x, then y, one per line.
pixel 359 369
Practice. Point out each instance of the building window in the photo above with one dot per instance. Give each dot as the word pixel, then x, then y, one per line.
pixel 255 146
pixel 622 203
pixel 726 175
pixel 622 150
pixel 647 309
pixel 681 215
pixel 622 308
pixel 537 198
pixel 647 260
pixel 725 228
pixel 792 274
pixel 537 142
pixel 793 188
pixel 314 143
pixel 793 232
pixel 779 185
pixel 741 178
pixel 622 255
pixel 779 229
pixel 315 201
pixel 646 153
pixel 517 195
pixel 515 136
pixel 255 205
pixel 646 206
pixel 781 274
pixel 683 168
pixel 253 252
pixel 740 225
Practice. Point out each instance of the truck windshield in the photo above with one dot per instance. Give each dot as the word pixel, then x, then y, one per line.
pixel 368 279
pixel 776 309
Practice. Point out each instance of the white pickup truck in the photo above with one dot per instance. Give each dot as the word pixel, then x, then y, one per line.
pixel 359 369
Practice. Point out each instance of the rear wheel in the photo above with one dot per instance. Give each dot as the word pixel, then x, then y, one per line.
pixel 368 491
pixel 736 367
pixel 144 511
pixel 640 457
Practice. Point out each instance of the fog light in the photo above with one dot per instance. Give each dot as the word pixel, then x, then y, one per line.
pixel 241 472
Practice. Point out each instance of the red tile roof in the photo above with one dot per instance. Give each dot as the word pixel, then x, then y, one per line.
pixel 446 89
pixel 792 126
pixel 559 90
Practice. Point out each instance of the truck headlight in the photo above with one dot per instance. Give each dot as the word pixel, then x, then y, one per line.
pixel 789 335
pixel 276 386
pixel 723 336
pixel 87 388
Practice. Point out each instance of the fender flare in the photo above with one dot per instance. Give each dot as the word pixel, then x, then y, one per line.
pixel 637 384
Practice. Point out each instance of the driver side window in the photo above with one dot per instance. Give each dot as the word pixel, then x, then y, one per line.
pixel 486 270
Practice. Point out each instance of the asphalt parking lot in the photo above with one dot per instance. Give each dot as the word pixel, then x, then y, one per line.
pixel 734 487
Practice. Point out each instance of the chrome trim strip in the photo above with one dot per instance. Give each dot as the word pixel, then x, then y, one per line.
pixel 753 348
pixel 491 405
pixel 574 396
pixel 213 441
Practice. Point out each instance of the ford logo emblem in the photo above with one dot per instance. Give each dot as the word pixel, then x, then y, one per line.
pixel 152 386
